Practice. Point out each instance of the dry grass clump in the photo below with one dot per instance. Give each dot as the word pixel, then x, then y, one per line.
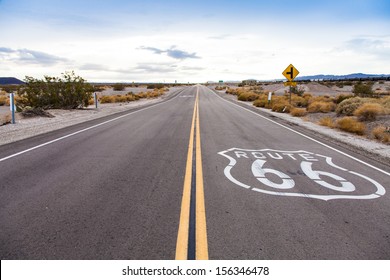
pixel 341 97
pixel 299 101
pixel 369 111
pixel 326 121
pixel 129 97
pixel 282 107
pixel 348 106
pixel 321 107
pixel 381 133
pixel 261 102
pixel 349 124
pixel 322 98
pixel 3 100
pixel 298 112
pixel 247 96
pixel 385 102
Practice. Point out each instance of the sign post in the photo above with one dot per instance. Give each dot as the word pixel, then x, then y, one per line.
pixel 269 97
pixel 290 73
pixel 12 106
pixel 95 100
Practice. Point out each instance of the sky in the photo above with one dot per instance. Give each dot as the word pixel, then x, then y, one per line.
pixel 192 41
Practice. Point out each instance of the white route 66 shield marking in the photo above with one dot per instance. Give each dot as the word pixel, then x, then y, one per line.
pixel 262 166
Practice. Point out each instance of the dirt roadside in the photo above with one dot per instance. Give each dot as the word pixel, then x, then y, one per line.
pixel 363 144
pixel 29 127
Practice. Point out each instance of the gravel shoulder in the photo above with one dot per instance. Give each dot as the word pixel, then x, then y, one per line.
pixel 29 127
pixel 356 141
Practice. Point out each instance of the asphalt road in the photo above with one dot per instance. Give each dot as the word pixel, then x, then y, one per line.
pixel 113 189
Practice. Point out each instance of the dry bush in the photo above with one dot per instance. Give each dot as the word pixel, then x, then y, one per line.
pixel 282 107
pixel 348 106
pixel 369 111
pixel 299 101
pixel 233 91
pixel 322 98
pixel 107 99
pixel 247 96
pixel 3 100
pixel 385 102
pixel 381 133
pixel 326 121
pixel 5 118
pixel 307 96
pixel 341 97
pixel 321 107
pixel 298 112
pixel 220 87
pixel 349 124
pixel 261 102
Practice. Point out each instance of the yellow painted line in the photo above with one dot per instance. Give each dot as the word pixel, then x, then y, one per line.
pixel 200 226
pixel 182 236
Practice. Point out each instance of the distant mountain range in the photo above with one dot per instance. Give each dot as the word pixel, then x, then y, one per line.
pixel 10 81
pixel 342 77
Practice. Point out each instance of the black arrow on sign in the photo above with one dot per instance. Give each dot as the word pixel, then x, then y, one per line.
pixel 291 73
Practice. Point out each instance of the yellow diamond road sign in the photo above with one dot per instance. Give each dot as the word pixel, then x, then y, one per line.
pixel 290 73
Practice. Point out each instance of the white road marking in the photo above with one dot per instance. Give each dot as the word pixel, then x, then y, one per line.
pixel 307 137
pixel 82 130
pixel 316 176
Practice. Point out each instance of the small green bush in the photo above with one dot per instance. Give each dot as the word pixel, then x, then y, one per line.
pixel 119 87
pixel 363 89
pixel 341 97
pixel 348 106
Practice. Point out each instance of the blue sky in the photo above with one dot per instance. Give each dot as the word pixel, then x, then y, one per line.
pixel 192 41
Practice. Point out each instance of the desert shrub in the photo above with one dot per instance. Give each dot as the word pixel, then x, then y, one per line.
pixel 246 96
pixel 282 107
pixel 233 91
pixel 348 106
pixel 349 124
pixel 307 95
pixel 320 106
pixel 322 98
pixel 119 87
pixel 385 102
pixel 66 92
pixel 155 86
pixel 260 102
pixel 363 89
pixel 381 133
pixel 298 90
pixel 326 121
pixel 369 111
pixel 107 99
pixel 299 101
pixel 341 97
pixel 220 87
pixel 29 112
pixel 3 100
pixel 298 112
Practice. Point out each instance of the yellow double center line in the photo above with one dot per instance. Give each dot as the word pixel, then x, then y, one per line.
pixel 182 244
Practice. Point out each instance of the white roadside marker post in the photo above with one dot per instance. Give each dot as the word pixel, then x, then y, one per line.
pixel 95 100
pixel 269 97
pixel 12 106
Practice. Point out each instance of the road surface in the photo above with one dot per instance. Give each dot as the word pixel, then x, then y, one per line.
pixel 195 176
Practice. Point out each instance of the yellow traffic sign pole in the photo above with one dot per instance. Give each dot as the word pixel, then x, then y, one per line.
pixel 290 73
